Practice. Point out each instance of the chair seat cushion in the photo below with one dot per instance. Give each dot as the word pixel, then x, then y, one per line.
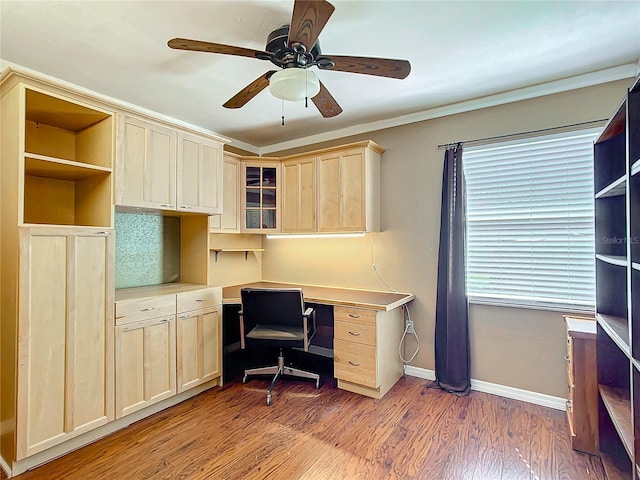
pixel 276 332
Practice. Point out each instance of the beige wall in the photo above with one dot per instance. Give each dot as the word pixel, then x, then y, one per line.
pixel 509 346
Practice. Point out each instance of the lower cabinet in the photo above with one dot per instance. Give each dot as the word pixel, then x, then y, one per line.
pixel 168 340
pixel 365 349
pixel 65 344
pixel 145 363
pixel 198 347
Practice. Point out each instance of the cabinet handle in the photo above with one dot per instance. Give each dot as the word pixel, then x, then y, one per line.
pixel 355 334
pixel 186 315
pixel 355 364
pixel 200 299
pixel 166 205
pixel 353 315
pixel 148 309
pixel 566 357
pixel 186 207
pixel 102 234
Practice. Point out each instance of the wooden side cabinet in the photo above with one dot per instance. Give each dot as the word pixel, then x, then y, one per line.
pixel 582 403
pixel 365 348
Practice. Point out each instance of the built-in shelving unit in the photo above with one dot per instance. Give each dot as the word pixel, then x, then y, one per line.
pixel 68 158
pixel 617 217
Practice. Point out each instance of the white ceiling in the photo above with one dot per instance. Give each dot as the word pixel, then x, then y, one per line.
pixel 459 50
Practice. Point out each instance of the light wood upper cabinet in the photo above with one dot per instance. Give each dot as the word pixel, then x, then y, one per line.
pixel 349 190
pixel 200 175
pixel 299 195
pixel 261 196
pixel 65 345
pixel 146 164
pixel 145 363
pixel 229 221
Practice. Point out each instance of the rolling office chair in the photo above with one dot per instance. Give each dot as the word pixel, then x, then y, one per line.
pixel 277 318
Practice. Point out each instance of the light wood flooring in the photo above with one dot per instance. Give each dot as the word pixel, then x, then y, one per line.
pixel 412 433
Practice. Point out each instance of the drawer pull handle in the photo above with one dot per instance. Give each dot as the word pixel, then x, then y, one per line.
pixel 186 206
pixel 355 334
pixel 120 316
pixel 354 315
pixel 200 299
pixel 355 364
pixel 566 357
pixel 148 309
pixel 166 205
pixel 102 234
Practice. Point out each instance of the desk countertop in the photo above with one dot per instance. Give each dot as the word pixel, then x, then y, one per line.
pixel 329 295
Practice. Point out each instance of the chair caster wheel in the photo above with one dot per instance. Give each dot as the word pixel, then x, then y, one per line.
pixel 268 401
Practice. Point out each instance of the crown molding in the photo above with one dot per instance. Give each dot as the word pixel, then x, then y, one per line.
pixel 572 83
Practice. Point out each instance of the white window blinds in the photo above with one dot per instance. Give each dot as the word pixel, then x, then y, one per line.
pixel 530 222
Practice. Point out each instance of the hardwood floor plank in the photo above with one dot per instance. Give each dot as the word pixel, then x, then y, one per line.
pixel 413 433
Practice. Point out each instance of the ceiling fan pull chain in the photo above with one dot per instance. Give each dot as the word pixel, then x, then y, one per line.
pixel 282 112
pixel 306 88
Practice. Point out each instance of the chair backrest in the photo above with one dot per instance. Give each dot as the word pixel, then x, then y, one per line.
pixel 273 306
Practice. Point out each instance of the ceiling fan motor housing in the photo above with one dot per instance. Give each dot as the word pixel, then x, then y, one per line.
pixel 277 44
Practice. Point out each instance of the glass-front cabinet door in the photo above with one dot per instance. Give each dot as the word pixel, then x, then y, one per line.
pixel 261 200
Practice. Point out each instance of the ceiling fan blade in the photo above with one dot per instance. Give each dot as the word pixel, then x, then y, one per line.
pixel 380 67
pixel 198 46
pixel 250 91
pixel 308 20
pixel 326 104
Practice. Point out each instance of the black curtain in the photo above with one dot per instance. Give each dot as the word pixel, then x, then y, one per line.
pixel 452 314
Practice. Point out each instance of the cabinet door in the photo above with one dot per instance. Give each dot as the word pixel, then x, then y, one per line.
pixel 229 221
pixel 65 370
pixel 199 175
pixel 299 195
pixel 261 197
pixel 341 178
pixel 145 363
pixel 199 347
pixel 146 165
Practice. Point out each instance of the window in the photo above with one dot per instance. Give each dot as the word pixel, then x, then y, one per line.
pixel 530 222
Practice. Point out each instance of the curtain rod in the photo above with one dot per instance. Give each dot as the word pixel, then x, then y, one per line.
pixel 451 144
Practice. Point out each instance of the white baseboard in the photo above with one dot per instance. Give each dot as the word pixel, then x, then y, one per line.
pixel 501 390
pixel 5 466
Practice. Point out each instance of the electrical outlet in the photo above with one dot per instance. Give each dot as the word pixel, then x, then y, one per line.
pixel 409 326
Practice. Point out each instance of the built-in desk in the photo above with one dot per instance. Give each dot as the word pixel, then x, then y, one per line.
pixel 368 327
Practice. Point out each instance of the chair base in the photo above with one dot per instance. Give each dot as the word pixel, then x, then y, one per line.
pixel 279 370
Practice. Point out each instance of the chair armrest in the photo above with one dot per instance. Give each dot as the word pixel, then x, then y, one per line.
pixel 308 312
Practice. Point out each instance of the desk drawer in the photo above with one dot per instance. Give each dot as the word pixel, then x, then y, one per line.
pixel 207 297
pixel 354 315
pixel 138 309
pixel 354 332
pixel 355 363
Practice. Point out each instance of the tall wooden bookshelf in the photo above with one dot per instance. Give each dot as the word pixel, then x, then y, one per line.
pixel 617 231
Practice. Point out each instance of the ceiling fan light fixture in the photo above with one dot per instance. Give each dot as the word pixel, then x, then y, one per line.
pixel 294 84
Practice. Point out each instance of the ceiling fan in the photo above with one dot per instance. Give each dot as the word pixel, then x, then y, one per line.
pixel 294 48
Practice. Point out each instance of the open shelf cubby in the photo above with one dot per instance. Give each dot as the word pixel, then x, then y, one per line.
pixel 68 158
